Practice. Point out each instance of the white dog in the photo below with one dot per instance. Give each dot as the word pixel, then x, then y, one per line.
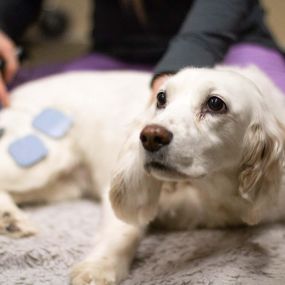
pixel 208 151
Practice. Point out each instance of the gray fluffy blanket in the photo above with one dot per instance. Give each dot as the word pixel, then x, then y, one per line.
pixel 234 256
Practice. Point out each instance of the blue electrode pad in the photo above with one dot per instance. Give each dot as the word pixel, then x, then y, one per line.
pixel 27 150
pixel 53 123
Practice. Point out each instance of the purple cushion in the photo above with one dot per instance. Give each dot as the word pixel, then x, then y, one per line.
pixel 94 61
pixel 269 60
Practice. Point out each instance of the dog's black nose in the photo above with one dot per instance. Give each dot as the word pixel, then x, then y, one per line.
pixel 154 137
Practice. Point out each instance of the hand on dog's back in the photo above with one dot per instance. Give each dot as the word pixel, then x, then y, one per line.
pixel 8 55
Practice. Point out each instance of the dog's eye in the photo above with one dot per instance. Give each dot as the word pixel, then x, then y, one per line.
pixel 215 104
pixel 161 99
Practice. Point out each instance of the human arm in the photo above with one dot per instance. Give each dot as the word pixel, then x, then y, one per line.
pixel 15 17
pixel 208 30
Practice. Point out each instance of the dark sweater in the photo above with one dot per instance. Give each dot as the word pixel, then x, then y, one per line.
pixel 177 33
pixel 17 15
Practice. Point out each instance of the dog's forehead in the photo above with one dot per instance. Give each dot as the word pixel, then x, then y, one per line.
pixel 204 80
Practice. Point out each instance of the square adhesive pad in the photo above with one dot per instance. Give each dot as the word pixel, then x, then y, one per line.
pixel 53 123
pixel 27 151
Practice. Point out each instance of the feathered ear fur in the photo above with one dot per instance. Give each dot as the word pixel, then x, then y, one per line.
pixel 134 193
pixel 261 168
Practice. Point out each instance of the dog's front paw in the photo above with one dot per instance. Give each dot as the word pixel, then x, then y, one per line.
pixel 102 272
pixel 15 224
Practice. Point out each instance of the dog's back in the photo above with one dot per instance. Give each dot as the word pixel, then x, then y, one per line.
pixel 101 104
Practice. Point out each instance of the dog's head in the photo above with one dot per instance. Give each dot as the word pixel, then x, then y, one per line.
pixel 204 122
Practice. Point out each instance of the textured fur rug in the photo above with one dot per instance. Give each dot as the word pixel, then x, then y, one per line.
pixel 235 256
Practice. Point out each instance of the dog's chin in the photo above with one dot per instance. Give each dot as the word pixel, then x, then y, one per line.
pixel 164 172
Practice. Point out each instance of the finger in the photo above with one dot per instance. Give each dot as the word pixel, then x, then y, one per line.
pixel 11 62
pixel 4 95
pixel 8 53
pixel 158 82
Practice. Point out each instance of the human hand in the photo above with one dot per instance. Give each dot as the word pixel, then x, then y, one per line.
pixel 157 83
pixel 8 55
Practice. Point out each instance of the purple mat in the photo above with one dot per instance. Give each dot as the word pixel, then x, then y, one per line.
pixel 269 60
pixel 94 61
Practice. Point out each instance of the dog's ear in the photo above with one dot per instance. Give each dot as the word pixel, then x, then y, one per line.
pixel 134 193
pixel 261 168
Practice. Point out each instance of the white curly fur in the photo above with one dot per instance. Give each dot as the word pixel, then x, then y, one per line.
pixel 226 169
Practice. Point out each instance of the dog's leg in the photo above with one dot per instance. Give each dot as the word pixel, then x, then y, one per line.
pixel 114 249
pixel 13 222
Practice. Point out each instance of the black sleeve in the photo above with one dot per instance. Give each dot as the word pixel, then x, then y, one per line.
pixel 207 32
pixel 17 15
